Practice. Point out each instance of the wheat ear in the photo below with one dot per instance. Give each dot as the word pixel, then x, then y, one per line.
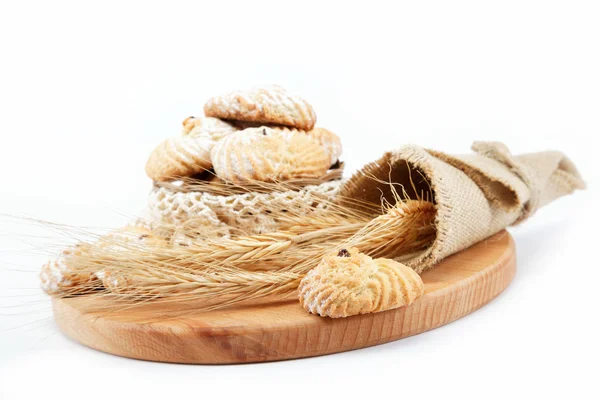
pixel 225 272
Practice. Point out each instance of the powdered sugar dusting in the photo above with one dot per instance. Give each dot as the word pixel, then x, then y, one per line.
pixel 267 104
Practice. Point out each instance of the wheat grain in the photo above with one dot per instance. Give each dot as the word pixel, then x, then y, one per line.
pixel 220 272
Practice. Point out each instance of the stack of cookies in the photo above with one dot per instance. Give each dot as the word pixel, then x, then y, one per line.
pixel 244 140
pixel 260 135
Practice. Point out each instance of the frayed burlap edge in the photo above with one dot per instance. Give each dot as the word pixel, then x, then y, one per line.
pixel 476 195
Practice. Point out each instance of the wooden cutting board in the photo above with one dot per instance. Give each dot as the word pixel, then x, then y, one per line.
pixel 459 285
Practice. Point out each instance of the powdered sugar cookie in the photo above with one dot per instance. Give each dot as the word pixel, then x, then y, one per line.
pixel 64 274
pixel 127 238
pixel 189 153
pixel 268 155
pixel 349 283
pixel 75 270
pixel 265 105
pixel 213 128
pixel 123 242
pixel 330 141
pixel 178 157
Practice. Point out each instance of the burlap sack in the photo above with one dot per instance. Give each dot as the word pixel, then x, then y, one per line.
pixel 476 195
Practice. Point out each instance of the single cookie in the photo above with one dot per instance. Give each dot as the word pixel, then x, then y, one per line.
pixel 65 275
pixel 330 141
pixel 268 155
pixel 123 242
pixel 187 154
pixel 350 283
pixel 265 105
pixel 178 157
pixel 133 283
pixel 200 228
pixel 129 237
pixel 213 128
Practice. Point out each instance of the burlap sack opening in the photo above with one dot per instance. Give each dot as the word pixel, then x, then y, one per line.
pixel 476 195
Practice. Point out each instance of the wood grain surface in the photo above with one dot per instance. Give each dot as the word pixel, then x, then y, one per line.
pixel 458 286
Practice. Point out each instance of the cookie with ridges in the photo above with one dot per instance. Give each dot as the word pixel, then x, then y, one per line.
pixel 128 237
pixel 121 243
pixel 330 141
pixel 213 128
pixel 72 273
pixel 178 157
pixel 268 155
pixel 349 283
pixel 65 274
pixel 265 105
pixel 189 153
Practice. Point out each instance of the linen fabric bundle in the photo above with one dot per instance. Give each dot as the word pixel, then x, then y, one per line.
pixel 476 195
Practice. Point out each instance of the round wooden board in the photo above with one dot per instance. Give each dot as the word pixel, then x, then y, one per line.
pixel 459 285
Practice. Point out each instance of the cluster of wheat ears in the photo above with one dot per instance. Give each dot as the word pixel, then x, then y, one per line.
pixel 248 269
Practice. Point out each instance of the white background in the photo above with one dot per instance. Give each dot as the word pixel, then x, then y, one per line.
pixel 87 90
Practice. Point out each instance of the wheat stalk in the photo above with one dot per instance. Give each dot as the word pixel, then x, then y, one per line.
pixel 220 273
pixel 216 273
